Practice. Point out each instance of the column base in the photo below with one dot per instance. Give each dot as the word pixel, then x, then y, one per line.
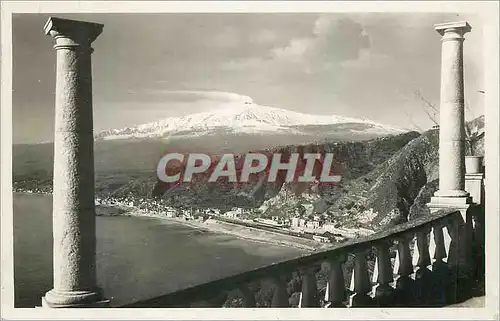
pixel 447 201
pixel 474 175
pixel 459 203
pixel 454 193
pixel 75 299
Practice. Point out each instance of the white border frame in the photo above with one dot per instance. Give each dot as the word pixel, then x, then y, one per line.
pixel 489 11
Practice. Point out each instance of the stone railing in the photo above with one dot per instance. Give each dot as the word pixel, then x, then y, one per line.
pixel 429 261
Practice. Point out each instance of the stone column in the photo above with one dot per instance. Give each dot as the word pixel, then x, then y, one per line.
pixel 451 193
pixel 73 196
pixel 451 122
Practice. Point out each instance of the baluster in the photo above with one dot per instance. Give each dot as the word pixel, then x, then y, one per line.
pixel 459 258
pixel 248 297
pixel 439 249
pixel 280 295
pixel 460 229
pixel 421 266
pixel 310 295
pixel 478 220
pixel 403 269
pixel 467 264
pixel 335 293
pixel 439 246
pixel 479 251
pixel 382 274
pixel 421 257
pixel 360 281
pixel 478 232
pixel 452 226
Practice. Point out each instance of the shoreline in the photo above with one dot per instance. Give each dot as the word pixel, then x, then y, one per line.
pixel 219 227
pixel 210 225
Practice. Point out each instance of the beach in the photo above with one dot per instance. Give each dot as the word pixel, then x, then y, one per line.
pixel 215 226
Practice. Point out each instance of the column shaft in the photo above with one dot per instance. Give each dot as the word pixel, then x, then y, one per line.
pixel 452 133
pixel 73 203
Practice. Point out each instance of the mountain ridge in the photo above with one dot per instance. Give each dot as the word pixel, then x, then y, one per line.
pixel 242 117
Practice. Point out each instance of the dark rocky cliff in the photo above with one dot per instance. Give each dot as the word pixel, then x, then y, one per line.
pixel 399 188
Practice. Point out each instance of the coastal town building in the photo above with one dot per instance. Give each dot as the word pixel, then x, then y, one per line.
pixel 268 222
pixel 322 238
pixel 171 213
pixel 312 224
pixel 232 214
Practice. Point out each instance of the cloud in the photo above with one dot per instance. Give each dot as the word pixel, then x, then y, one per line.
pixel 204 95
pixel 295 50
pixel 323 24
pixel 332 41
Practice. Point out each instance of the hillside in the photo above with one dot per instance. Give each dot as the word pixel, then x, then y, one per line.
pixel 386 194
pixel 121 172
pixel 399 188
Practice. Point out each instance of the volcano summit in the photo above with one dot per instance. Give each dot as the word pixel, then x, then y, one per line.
pixel 246 117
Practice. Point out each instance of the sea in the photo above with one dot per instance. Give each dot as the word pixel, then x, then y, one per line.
pixel 137 257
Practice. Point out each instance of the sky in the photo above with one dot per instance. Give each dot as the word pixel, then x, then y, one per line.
pixel 152 66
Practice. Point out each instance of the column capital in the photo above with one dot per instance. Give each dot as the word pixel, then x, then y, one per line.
pixel 72 33
pixel 453 30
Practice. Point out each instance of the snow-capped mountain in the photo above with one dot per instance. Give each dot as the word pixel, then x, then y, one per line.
pixel 245 118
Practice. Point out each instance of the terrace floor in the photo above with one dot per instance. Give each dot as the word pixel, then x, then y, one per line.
pixel 478 302
pixel 473 298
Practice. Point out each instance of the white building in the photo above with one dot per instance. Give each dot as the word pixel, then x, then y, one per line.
pixel 212 211
pixel 322 239
pixel 329 227
pixel 237 210
pixel 171 213
pixel 313 224
pixel 232 214
pixel 268 222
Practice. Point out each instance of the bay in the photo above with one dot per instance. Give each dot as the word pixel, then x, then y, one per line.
pixel 137 257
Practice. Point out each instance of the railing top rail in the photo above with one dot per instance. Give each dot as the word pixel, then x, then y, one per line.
pixel 344 248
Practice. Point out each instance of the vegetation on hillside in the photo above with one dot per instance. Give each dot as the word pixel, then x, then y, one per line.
pixel 400 187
